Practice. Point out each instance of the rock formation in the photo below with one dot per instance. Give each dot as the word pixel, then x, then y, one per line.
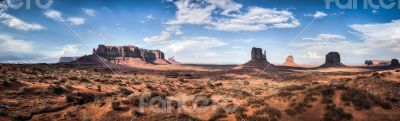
pixel 67 59
pixel 125 55
pixel 289 61
pixel 172 60
pixel 394 63
pixel 258 60
pixel 257 54
pixel 332 59
pixel 377 62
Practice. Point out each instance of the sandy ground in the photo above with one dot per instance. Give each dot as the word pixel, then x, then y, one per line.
pixel 197 92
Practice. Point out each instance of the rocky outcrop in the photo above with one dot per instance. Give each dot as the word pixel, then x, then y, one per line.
pixel 125 55
pixel 67 59
pixel 257 54
pixel 258 60
pixel 394 63
pixel 172 60
pixel 332 59
pixel 289 61
pixel 377 62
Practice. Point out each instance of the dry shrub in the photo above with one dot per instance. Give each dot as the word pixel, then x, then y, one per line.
pixel 203 101
pixel 125 91
pixel 56 89
pixel 336 114
pixel 218 114
pixel 293 88
pixel 80 98
pixel 266 114
pixel 363 100
pixel 116 105
pixel 187 117
pixel 145 97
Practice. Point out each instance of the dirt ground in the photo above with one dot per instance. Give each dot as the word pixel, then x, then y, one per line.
pixel 197 92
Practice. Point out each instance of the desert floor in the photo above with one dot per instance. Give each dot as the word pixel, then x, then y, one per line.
pixel 197 92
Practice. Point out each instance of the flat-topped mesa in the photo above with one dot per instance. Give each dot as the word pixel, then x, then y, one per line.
pixel 332 59
pixel 129 51
pixel 125 55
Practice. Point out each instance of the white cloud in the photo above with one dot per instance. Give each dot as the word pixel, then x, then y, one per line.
pixel 76 20
pixel 322 37
pixel 230 17
pixel 331 42
pixel 256 19
pixel 225 15
pixel 14 22
pixel 376 39
pixel 379 35
pixel 198 44
pixel 53 14
pixel 57 16
pixel 157 39
pixel 192 13
pixel 318 14
pixel 13 45
pixel 67 50
pixel 89 12
pixel 374 11
pixel 314 55
pixel 164 36
pixel 149 17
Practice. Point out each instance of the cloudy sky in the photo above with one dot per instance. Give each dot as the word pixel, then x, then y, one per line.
pixel 196 31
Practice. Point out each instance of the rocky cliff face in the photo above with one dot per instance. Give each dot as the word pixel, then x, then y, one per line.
pixel 257 54
pixel 130 51
pixel 332 59
pixel 125 55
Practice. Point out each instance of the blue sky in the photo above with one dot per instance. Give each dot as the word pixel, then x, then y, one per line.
pixel 211 31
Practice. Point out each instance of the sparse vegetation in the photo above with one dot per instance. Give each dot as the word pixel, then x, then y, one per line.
pixel 56 89
pixel 278 95
pixel 363 100
pixel 115 105
pixel 3 112
pixel 336 114
pixel 187 117
pixel 136 113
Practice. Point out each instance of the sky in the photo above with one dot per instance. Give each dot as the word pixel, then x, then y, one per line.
pixel 200 31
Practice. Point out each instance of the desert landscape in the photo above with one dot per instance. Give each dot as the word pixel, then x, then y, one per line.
pixel 199 60
pixel 151 88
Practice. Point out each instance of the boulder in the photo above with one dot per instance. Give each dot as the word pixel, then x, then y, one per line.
pixel 332 59
pixel 289 61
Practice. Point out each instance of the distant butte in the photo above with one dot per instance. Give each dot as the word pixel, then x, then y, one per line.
pixel 332 59
pixel 258 60
pixel 290 61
